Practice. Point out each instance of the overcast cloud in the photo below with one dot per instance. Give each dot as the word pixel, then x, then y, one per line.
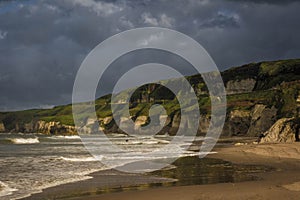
pixel 43 42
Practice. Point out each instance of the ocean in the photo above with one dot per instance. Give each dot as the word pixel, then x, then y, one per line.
pixel 30 163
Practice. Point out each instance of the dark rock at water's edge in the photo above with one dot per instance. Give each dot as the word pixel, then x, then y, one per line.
pixel 258 95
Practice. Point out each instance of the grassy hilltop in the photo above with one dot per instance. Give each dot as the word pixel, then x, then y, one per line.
pixel 275 85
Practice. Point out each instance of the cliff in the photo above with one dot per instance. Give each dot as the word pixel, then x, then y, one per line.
pixel 2 127
pixel 258 95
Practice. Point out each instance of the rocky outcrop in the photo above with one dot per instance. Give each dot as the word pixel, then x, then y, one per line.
pixel 240 86
pixel 284 130
pixel 237 123
pixel 51 128
pixel 203 124
pixel 140 121
pixel 54 128
pixel 262 118
pixel 175 124
pixel 2 127
pixel 90 125
pixel 108 125
pixel 250 122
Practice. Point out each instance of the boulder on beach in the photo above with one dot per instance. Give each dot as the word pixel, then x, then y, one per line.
pixel 284 130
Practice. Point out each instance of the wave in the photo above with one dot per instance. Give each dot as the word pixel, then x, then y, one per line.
pixel 150 142
pixel 163 142
pixel 79 159
pixel 24 140
pixel 129 142
pixel 65 137
pixel 156 142
pixel 206 153
pixel 84 175
pixel 5 190
pixel 117 135
pixel 141 142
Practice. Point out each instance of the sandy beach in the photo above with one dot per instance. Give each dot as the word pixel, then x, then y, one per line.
pixel 283 182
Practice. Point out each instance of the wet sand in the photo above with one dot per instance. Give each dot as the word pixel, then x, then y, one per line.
pixel 281 183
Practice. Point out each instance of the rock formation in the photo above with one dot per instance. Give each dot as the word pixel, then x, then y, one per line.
pixel 262 118
pixel 258 94
pixel 51 128
pixel 284 130
pixel 2 127
pixel 237 123
pixel 240 86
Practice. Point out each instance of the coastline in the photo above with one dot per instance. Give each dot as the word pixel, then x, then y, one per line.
pixel 282 182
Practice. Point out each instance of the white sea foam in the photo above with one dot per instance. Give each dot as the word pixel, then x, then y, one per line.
pixel 79 159
pixel 65 137
pixel 78 177
pixel 163 142
pixel 5 190
pixel 128 142
pixel 140 141
pixel 117 135
pixel 150 142
pixel 24 140
pixel 68 162
pixel 206 153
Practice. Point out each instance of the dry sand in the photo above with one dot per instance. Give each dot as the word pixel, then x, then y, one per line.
pixel 283 183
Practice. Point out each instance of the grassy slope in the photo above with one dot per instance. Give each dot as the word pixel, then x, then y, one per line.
pixel 269 90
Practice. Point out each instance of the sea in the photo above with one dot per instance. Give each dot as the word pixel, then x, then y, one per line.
pixel 30 163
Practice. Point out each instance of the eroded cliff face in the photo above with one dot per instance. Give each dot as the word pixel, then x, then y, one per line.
pixel 262 118
pixel 237 123
pixel 258 95
pixel 240 86
pixel 2 127
pixel 250 122
pixel 108 125
pixel 51 128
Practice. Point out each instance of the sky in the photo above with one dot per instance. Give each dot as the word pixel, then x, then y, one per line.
pixel 43 42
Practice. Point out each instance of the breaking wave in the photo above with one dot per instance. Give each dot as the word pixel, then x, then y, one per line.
pixel 24 140
pixel 5 190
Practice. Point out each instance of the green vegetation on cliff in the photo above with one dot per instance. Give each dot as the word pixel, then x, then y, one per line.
pixel 275 84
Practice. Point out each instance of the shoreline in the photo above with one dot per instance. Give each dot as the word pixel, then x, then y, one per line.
pixel 278 183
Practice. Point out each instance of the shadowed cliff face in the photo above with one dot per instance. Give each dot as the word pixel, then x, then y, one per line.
pixel 258 95
pixel 240 86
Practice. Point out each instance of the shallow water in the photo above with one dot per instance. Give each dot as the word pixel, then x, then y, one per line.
pixel 195 171
pixel 183 172
pixel 32 162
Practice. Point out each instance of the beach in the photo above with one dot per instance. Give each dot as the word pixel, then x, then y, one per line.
pixel 281 182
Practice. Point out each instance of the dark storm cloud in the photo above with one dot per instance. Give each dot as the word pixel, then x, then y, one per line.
pixel 266 1
pixel 43 42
